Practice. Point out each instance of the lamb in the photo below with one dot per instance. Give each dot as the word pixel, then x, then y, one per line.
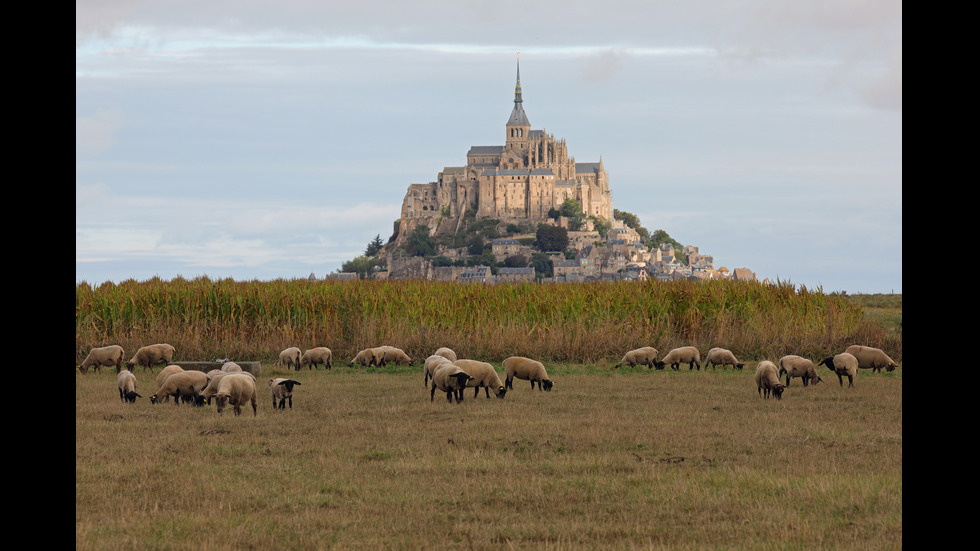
pixel 396 356
pixel 127 386
pixel 482 375
pixel 431 363
pixel 796 366
pixel 215 379
pixel 315 356
pixel 685 354
pixel 450 379
pixel 768 381
pixel 842 364
pixel 184 384
pixel 721 356
pixel 645 355
pixel 282 390
pixel 447 353
pixel 528 370
pixel 289 357
pixel 369 357
pixel 236 389
pixel 104 356
pixel 150 355
pixel 231 367
pixel 871 358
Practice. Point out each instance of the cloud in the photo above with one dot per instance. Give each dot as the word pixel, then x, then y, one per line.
pixel 97 133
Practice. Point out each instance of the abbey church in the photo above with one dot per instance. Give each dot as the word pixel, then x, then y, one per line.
pixel 519 181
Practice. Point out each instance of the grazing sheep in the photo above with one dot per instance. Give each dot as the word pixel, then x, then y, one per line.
pixel 236 389
pixel 166 372
pixel 214 372
pixel 842 364
pixel 645 355
pixel 447 353
pixel 150 355
pixel 768 381
pixel 482 375
pixel 721 356
pixel 214 379
pixel 127 386
pixel 282 390
pixel 104 356
pixel 231 367
pixel 431 363
pixel 184 384
pixel 528 370
pixel 796 366
pixel 871 358
pixel 396 356
pixel 289 357
pixel 316 356
pixel 369 357
pixel 450 379
pixel 685 354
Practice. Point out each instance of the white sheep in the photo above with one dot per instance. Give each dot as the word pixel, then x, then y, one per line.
pixel 236 389
pixel 282 390
pixel 186 384
pixel 721 356
pixel 645 355
pixel 396 356
pixel 150 355
pixel 231 367
pixel 166 372
pixel 871 358
pixel 447 353
pixel 289 357
pixel 482 375
pixel 369 357
pixel 103 356
pixel 685 354
pixel 528 370
pixel 316 356
pixel 797 366
pixel 450 379
pixel 214 380
pixel 767 380
pixel 127 386
pixel 842 364
pixel 431 363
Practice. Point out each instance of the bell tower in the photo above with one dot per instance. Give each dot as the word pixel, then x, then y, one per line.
pixel 518 127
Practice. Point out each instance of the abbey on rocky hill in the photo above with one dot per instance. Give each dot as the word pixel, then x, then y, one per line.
pixel 520 181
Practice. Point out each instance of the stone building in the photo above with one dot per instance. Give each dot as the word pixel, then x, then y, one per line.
pixel 518 181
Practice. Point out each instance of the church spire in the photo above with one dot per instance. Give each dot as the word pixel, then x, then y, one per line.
pixel 517 88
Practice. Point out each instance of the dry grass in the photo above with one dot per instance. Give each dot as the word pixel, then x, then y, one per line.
pixel 634 459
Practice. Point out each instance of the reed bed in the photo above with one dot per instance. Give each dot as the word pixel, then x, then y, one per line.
pixel 591 323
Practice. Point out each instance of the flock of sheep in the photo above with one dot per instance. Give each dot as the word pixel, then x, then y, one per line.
pixel 443 371
pixel 767 374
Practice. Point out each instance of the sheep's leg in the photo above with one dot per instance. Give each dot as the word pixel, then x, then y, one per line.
pixel 290 402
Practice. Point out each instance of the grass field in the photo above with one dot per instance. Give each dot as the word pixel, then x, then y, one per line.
pixel 628 459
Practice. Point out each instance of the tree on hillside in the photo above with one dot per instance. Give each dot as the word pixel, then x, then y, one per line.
pixel 361 265
pixel 374 247
pixel 420 243
pixel 543 266
pixel 551 238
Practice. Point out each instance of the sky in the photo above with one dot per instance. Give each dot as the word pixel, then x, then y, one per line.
pixel 263 140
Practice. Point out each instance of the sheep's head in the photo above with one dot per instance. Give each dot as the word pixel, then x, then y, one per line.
pixel 547 384
pixel 221 400
pixel 777 390
pixel 740 366
pixel 501 392
pixel 289 383
pixel 891 367
pixel 154 399
pixel 131 396
pixel 659 364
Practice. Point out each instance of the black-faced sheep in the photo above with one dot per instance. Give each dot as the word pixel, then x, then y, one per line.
pixel 127 386
pixel 450 379
pixel 396 356
pixel 289 357
pixel 685 354
pixel 187 384
pixel 871 358
pixel 645 355
pixel 369 357
pixel 447 353
pixel 103 356
pixel 282 390
pixel 767 380
pixel 166 372
pixel 431 363
pixel 797 366
pixel 236 389
pixel 315 356
pixel 151 355
pixel 842 364
pixel 482 375
pixel 721 356
pixel 528 370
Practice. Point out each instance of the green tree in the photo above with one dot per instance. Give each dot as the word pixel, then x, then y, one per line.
pixel 551 238
pixel 361 265
pixel 543 266
pixel 374 247
pixel 601 225
pixel 475 245
pixel 420 243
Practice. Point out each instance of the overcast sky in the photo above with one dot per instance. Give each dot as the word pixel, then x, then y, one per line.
pixel 261 140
